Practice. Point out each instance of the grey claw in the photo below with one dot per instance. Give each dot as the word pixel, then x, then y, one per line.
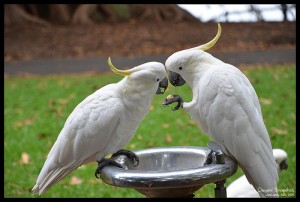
pixel 104 162
pixel 131 155
pixel 171 99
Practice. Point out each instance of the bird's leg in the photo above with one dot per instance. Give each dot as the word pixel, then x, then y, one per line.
pixel 173 98
pixel 131 155
pixel 104 162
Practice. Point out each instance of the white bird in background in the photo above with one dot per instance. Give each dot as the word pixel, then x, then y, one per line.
pixel 103 123
pixel 227 108
pixel 241 187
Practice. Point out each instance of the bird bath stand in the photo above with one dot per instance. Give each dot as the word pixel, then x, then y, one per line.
pixel 171 172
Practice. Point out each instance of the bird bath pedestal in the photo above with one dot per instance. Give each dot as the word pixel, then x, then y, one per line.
pixel 171 172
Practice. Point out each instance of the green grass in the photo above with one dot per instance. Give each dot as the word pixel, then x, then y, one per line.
pixel 36 108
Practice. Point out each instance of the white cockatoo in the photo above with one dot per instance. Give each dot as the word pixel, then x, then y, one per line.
pixel 226 107
pixel 103 123
pixel 241 187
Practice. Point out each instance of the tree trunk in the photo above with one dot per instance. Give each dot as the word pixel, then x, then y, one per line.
pixel 144 12
pixel 14 14
pixel 109 14
pixel 160 12
pixel 59 13
pixel 89 14
pixel 82 14
pixel 33 9
pixel 174 12
pixel 284 11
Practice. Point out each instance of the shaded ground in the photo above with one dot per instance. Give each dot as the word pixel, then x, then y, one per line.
pixel 26 42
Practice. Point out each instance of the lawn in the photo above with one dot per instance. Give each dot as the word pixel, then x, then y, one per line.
pixel 35 109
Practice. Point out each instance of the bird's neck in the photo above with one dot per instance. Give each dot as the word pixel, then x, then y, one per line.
pixel 136 95
pixel 202 64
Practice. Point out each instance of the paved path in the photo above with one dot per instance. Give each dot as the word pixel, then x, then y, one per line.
pixel 65 66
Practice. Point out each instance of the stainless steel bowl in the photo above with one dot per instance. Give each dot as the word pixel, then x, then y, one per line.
pixel 176 171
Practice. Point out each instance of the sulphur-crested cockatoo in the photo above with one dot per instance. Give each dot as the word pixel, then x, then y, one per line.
pixel 103 123
pixel 241 187
pixel 227 108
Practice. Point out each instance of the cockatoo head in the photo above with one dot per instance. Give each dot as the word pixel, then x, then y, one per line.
pixel 148 74
pixel 281 159
pixel 182 63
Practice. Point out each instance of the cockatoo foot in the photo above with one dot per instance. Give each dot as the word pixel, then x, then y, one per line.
pixel 131 155
pixel 104 162
pixel 171 99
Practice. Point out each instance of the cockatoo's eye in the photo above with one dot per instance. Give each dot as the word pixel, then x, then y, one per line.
pixel 180 68
pixel 157 79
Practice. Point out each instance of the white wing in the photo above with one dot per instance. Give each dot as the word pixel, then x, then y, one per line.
pixel 86 132
pixel 230 113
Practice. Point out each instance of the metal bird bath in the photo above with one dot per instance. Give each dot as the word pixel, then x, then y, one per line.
pixel 176 171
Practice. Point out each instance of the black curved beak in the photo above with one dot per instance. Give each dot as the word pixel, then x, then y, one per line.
pixel 283 165
pixel 164 85
pixel 175 79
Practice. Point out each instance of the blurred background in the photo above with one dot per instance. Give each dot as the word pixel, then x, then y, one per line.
pixel 242 12
pixel 55 55
pixel 53 31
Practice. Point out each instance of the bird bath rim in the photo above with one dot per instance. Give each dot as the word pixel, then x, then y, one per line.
pixel 184 175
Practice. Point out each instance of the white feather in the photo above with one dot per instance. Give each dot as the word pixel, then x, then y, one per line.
pixel 101 124
pixel 242 188
pixel 227 108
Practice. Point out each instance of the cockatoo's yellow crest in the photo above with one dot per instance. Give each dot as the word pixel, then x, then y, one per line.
pixel 117 71
pixel 212 42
